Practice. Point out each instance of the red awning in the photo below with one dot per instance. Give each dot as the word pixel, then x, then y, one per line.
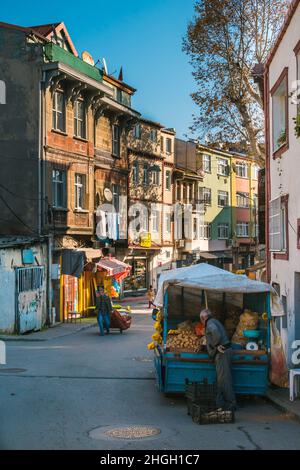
pixel 114 267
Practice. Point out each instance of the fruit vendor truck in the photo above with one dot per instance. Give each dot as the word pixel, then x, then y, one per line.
pixel 241 304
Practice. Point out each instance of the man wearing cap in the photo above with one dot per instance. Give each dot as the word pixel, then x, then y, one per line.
pixel 219 349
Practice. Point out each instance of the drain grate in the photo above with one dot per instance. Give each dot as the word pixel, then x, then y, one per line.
pixel 126 432
pixel 12 371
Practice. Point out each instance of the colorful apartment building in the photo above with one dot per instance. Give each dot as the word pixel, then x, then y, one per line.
pixel 229 193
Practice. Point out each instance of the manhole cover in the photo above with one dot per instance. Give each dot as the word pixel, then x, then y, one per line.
pixel 126 432
pixel 11 371
pixel 143 359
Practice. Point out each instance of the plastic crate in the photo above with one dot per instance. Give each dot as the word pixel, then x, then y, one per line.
pixel 211 415
pixel 201 393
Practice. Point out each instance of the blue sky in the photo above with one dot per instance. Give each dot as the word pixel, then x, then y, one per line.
pixel 144 36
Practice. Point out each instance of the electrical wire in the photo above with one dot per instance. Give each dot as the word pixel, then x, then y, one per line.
pixel 16 215
pixel 17 195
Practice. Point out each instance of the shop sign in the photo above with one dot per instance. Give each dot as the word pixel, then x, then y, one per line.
pixel 145 240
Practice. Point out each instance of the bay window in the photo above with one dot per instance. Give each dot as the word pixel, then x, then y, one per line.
pixel 279 94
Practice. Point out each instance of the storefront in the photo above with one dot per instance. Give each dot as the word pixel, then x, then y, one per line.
pixel 137 281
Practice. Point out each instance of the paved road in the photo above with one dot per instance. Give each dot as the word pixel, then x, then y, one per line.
pixel 78 383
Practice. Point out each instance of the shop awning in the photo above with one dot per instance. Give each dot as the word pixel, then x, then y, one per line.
pixel 113 267
pixel 215 255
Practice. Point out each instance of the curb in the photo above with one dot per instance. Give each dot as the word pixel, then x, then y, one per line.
pixel 29 339
pixel 283 406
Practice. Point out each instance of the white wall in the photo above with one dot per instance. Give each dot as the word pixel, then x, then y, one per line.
pixel 285 175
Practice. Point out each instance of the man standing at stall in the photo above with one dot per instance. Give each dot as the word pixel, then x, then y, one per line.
pixel 104 309
pixel 219 349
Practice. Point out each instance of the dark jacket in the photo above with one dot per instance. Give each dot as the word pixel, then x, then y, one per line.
pixel 103 304
pixel 215 336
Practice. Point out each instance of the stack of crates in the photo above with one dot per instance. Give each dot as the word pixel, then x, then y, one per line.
pixel 201 403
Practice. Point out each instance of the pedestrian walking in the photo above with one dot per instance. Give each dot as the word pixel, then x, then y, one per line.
pixel 104 309
pixel 219 349
pixel 151 296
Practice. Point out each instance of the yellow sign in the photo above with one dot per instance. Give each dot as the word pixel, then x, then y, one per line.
pixel 145 240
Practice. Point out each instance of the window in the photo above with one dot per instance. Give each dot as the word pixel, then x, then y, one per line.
pixel 205 196
pixel 205 231
pixel 116 197
pixel 255 201
pixel 168 222
pixel 242 229
pixel 280 113
pixel 162 144
pixel 242 199
pixel 207 163
pixel 58 111
pixel 153 135
pixel 116 141
pixel 255 170
pixel 223 231
pixel 59 188
pixel 241 170
pixel 79 191
pixel 155 220
pixel 278 223
pixel 155 177
pixel 79 119
pixel 222 167
pixel 223 198
pixel 137 132
pixel 168 145
pixel 168 180
pixel 145 174
pixel 135 173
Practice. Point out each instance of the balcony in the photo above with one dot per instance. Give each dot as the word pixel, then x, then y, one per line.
pixel 54 53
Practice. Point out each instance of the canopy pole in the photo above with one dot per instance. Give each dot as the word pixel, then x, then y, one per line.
pixel 206 303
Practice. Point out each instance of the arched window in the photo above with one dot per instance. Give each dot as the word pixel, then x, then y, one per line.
pixel 2 92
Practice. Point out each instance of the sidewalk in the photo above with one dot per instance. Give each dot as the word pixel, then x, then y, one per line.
pixel 281 399
pixel 57 331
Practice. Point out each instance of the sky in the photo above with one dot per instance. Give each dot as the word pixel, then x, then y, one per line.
pixel 142 36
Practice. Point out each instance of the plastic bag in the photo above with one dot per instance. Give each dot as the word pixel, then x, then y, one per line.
pixel 279 374
pixel 200 329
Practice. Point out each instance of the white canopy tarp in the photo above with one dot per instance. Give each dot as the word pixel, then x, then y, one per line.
pixel 207 277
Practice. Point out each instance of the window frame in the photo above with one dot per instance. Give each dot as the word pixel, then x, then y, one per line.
pixel 115 141
pixel 227 198
pixel 246 197
pixel 219 165
pixel 168 184
pixel 282 253
pixel 55 111
pixel 168 141
pixel 146 174
pixel 168 223
pixel 243 233
pixel 203 198
pixel 285 146
pixel 137 135
pixel 135 172
pixel 205 229
pixel 63 182
pixel 155 213
pixel 226 226
pixel 204 161
pixel 153 136
pixel 78 120
pixel 80 190
pixel 245 170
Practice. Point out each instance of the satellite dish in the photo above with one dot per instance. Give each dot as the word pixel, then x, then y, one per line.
pixel 105 66
pixel 86 57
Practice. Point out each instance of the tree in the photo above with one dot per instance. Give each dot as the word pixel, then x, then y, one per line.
pixel 224 41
